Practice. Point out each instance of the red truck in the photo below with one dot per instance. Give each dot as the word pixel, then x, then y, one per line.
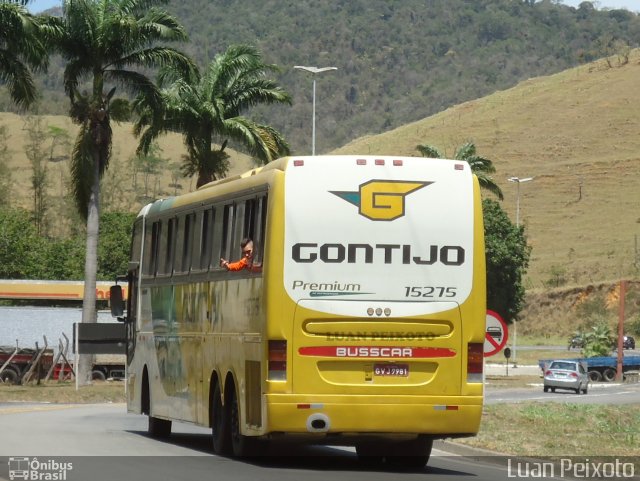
pixel 17 363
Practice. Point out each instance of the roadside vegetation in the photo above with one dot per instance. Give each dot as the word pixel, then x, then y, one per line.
pixel 63 392
pixel 559 429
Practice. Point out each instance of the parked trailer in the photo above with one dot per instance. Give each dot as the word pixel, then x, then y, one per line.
pixel 16 362
pixel 106 367
pixel 602 368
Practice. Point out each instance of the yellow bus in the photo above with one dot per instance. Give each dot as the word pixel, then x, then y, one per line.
pixel 360 324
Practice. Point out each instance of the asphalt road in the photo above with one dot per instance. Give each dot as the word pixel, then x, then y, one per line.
pixel 599 393
pixel 102 442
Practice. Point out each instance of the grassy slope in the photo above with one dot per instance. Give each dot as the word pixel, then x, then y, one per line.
pixel 576 132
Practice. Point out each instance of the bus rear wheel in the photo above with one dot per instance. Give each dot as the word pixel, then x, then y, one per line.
pixel 220 424
pixel 369 455
pixel 242 446
pixel 159 428
pixel 410 454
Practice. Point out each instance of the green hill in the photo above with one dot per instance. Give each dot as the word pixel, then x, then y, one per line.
pixel 398 61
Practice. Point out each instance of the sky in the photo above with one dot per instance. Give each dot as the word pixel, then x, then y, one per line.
pixel 633 5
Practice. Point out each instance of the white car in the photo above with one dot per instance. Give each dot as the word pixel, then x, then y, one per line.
pixel 565 374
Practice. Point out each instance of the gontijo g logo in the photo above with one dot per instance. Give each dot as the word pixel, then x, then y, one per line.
pixel 381 199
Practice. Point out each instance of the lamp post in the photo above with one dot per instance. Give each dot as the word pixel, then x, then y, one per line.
pixel 518 181
pixel 314 70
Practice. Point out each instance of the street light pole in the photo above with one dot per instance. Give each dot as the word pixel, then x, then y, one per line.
pixel 518 181
pixel 314 70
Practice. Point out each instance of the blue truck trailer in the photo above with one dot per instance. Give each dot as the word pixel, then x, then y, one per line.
pixel 601 368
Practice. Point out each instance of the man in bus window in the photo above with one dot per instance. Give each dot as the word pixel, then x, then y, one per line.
pixel 247 259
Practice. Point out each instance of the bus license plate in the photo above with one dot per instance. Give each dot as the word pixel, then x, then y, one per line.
pixel 401 370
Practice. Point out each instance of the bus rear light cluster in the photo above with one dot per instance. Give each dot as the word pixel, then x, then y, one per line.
pixel 396 162
pixel 277 358
pixel 475 362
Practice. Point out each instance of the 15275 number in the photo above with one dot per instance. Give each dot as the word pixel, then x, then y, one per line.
pixel 430 292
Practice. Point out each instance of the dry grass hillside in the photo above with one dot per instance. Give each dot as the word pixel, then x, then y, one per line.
pixel 122 190
pixel 578 134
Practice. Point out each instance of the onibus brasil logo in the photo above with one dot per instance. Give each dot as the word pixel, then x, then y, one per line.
pixel 381 199
pixel 22 467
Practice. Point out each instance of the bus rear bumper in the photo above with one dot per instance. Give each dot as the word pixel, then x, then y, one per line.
pixel 449 417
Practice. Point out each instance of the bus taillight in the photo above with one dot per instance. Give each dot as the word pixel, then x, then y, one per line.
pixel 277 360
pixel 475 362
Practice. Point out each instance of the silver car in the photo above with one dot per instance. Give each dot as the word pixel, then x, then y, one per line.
pixel 566 375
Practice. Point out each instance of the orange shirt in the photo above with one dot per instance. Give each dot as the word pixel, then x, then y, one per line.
pixel 244 264
pixel 238 266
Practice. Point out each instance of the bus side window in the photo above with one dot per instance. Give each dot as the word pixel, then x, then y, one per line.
pixel 136 242
pixel 187 246
pixel 165 249
pixel 261 223
pixel 227 232
pixel 206 239
pixel 147 252
pixel 196 241
pixel 254 223
pixel 171 246
pixel 184 229
pixel 155 247
pixel 179 243
pixel 238 230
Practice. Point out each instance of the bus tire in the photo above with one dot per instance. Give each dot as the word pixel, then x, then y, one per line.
pixel 609 374
pixel 98 375
pixel 369 455
pixel 595 376
pixel 242 446
pixel 220 431
pixel 413 454
pixel 159 428
pixel 10 376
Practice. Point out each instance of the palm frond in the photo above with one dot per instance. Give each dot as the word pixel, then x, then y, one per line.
pixel 466 151
pixel 23 48
pixel 18 79
pixel 82 171
pixel 429 151
pixel 486 182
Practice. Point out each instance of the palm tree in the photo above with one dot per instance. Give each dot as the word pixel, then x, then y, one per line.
pixel 23 46
pixel 480 166
pixel 103 41
pixel 207 108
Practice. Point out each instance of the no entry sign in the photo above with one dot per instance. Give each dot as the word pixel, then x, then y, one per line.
pixel 496 334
